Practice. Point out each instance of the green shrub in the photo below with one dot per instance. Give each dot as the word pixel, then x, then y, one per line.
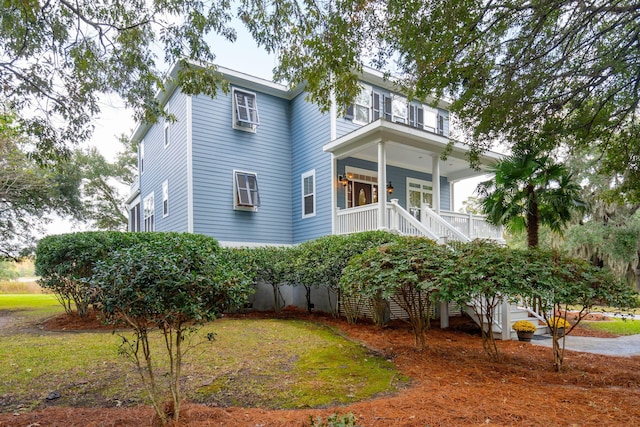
pixel 173 282
pixel 65 262
pixel 406 271
pixel 274 265
pixel 320 262
pixel 334 420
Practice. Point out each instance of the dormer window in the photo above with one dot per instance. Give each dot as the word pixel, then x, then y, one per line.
pixel 245 111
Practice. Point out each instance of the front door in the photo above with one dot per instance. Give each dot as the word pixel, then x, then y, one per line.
pixel 419 192
pixel 362 193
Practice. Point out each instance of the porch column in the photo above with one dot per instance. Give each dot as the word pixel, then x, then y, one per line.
pixel 382 185
pixel 435 181
pixel 334 190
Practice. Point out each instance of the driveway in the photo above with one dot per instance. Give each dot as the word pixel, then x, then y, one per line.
pixel 621 346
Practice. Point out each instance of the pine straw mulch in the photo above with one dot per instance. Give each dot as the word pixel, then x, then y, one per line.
pixel 453 384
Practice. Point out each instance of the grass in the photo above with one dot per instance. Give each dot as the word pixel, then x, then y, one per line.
pixel 252 362
pixel 614 326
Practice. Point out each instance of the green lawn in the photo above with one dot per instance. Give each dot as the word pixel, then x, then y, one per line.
pixel 252 362
pixel 615 326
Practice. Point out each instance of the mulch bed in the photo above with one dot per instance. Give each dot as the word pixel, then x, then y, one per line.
pixel 453 384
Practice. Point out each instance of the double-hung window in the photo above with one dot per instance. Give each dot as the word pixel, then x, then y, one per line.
pixel 245 189
pixel 430 119
pixel 167 133
pixel 309 194
pixel 165 198
pixel 399 109
pixel 149 223
pixel 245 110
pixel 362 105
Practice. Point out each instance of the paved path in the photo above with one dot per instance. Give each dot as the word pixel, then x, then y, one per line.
pixel 620 346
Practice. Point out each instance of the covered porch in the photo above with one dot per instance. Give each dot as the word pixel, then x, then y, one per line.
pixel 390 176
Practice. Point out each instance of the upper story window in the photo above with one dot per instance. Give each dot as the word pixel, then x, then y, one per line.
pixel 246 195
pixel 381 106
pixel 362 105
pixel 149 217
pixel 442 130
pixel 165 198
pixel 416 116
pixel 167 134
pixel 309 194
pixel 141 150
pixel 430 119
pixel 245 110
pixel 399 109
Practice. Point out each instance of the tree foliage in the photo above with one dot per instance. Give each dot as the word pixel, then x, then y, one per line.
pixel 406 271
pixel 30 191
pixel 57 57
pixel 529 189
pixel 531 73
pixel 275 266
pixel 105 185
pixel 173 282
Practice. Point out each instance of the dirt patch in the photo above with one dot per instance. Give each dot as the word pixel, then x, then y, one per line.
pixel 454 384
pixel 94 321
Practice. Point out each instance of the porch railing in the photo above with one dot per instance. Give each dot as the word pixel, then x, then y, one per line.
pixel 447 226
pixel 473 226
pixel 440 227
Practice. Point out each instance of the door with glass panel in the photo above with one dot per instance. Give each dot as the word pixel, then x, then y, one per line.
pixel 418 192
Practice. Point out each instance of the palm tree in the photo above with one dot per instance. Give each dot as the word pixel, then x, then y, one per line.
pixel 530 189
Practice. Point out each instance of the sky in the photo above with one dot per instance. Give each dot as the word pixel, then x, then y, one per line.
pixel 245 56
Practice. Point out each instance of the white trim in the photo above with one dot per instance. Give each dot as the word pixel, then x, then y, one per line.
pixel 141 157
pixel 166 133
pixel 359 171
pixel 165 197
pixel 421 183
pixel 152 210
pixel 189 165
pixel 334 185
pixel 311 173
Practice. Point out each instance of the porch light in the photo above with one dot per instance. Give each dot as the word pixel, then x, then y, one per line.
pixel 389 188
pixel 343 180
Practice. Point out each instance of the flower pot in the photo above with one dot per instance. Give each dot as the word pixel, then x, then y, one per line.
pixel 525 336
pixel 560 332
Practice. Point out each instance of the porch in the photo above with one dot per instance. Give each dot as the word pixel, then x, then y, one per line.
pixel 392 176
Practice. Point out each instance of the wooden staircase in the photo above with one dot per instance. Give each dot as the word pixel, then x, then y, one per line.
pixel 508 314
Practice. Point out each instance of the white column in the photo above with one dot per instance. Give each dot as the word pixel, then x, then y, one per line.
pixel 435 180
pixel 382 185
pixel 506 321
pixel 444 314
pixel 333 182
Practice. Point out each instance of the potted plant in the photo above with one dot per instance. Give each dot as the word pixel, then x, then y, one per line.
pixel 524 329
pixel 559 324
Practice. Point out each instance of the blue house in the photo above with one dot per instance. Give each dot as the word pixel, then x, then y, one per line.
pixel 261 165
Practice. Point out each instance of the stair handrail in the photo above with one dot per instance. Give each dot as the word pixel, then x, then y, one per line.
pixel 444 223
pixel 399 210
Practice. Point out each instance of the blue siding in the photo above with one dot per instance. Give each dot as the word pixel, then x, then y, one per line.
pixel 310 130
pixel 398 177
pixel 170 164
pixel 218 149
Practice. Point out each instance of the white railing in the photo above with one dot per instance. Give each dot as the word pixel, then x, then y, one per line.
pixel 440 227
pixel 354 220
pixel 447 226
pixel 406 224
pixel 473 226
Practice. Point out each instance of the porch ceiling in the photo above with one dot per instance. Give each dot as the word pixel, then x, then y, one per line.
pixel 409 148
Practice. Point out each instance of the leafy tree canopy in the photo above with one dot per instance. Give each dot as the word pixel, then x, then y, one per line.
pixel 57 56
pixel 533 73
pixel 29 191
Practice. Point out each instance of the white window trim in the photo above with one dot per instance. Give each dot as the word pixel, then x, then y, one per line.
pixel 368 92
pixel 237 206
pixel 421 183
pixel 167 134
pixel 311 173
pixel 234 115
pixel 145 211
pixel 402 101
pixel 141 155
pixel 165 198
